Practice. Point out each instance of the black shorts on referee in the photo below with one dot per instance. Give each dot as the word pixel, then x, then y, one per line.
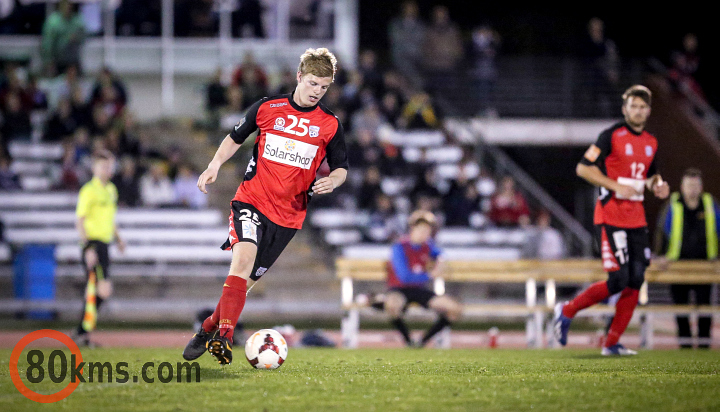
pixel 102 270
pixel 247 224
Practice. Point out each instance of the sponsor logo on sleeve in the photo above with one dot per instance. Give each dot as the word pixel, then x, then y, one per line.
pixel 289 151
pixel 592 153
pixel 240 123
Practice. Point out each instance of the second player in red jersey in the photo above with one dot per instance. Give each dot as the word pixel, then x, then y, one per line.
pixel 295 134
pixel 622 164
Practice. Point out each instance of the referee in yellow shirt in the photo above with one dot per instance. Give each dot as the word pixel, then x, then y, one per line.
pixel 96 209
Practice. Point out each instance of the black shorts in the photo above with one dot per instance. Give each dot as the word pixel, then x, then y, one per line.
pixel 102 270
pixel 421 296
pixel 625 255
pixel 247 224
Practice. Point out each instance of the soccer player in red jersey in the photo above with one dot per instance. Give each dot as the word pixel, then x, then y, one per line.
pixel 295 134
pixel 622 164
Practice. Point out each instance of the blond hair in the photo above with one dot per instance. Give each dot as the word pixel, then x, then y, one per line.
pixel 318 62
pixel 640 91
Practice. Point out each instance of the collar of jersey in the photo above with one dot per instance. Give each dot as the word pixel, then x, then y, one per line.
pixel 631 130
pixel 299 108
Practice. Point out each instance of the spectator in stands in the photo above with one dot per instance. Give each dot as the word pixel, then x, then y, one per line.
pixel 364 150
pixel 484 49
pixel 602 62
pixel 288 83
pixel 249 65
pixel 61 124
pixel 8 179
pixel 185 187
pixel 139 18
pixel 81 109
pixel 509 207
pixel 253 88
pixel 127 183
pixel 368 118
pixel 384 225
pixel 247 20
pixel 63 38
pixel 406 35
pixel 443 49
pixel 70 172
pixel 156 189
pixel 231 114
pixel 372 77
pixel 545 242
pixel 195 18
pixel 370 189
pixel 38 98
pixel 393 162
pixel 390 108
pixel 419 113
pixel 101 121
pixel 174 161
pixel 685 64
pixel 10 84
pixel 426 191
pixel 15 121
pixel 215 98
pixel 109 89
pixel 461 201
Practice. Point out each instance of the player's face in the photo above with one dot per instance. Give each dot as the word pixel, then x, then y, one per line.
pixel 636 111
pixel 691 187
pixel 103 169
pixel 420 233
pixel 311 89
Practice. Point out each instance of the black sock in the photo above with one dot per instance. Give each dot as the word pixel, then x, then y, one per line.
pixel 402 328
pixel 441 323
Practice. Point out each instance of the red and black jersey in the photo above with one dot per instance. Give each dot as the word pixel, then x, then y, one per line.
pixel 291 144
pixel 627 157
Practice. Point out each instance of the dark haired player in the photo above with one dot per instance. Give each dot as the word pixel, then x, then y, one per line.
pixel 296 133
pixel 622 164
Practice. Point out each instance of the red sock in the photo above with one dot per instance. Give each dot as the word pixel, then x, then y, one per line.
pixel 231 304
pixel 597 292
pixel 211 323
pixel 624 309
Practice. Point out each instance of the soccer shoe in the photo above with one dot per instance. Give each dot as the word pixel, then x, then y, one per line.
pixel 197 345
pixel 617 350
pixel 561 324
pixel 221 348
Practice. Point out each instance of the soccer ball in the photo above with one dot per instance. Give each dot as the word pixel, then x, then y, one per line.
pixel 266 349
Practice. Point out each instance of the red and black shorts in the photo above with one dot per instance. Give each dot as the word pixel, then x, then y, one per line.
pixel 625 255
pixel 419 295
pixel 247 224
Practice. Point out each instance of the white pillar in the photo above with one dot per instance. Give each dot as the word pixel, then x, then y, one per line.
pixel 168 57
pixel 347 34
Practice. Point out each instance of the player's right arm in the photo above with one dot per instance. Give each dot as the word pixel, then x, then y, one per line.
pixel 230 145
pixel 81 211
pixel 589 169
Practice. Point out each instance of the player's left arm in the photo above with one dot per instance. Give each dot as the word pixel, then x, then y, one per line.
pixel 337 160
pixel 655 182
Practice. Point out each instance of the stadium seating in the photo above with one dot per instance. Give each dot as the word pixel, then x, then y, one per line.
pixel 352 269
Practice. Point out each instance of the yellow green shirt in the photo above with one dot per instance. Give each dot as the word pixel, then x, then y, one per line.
pixel 98 205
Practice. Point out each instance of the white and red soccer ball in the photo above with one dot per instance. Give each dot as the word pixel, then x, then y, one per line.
pixel 266 349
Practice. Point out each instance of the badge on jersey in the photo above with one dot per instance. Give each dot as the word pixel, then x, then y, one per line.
pixel 628 149
pixel 648 151
pixel 249 230
pixel 279 124
pixel 592 153
pixel 314 131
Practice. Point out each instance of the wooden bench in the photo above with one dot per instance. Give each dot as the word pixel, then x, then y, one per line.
pixel 532 273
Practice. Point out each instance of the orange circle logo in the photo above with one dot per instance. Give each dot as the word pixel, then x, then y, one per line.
pixel 15 374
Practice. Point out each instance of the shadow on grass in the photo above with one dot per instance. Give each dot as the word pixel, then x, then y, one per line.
pixel 215 373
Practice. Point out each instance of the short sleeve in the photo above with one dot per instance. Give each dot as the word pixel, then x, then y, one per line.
pixel 84 201
pixel 248 124
pixel 596 153
pixel 337 151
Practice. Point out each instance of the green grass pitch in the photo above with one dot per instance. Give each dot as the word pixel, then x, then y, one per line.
pixel 400 380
